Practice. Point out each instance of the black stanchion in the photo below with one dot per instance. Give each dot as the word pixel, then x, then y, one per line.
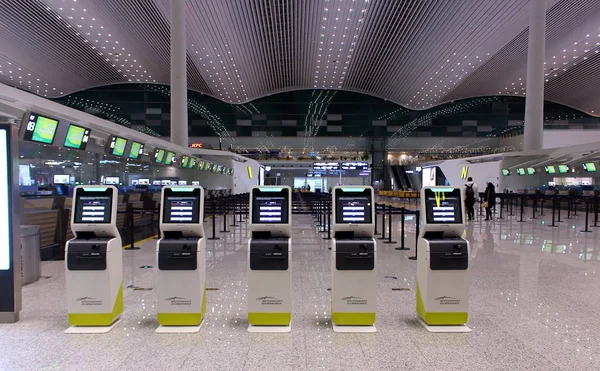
pixel 382 223
pixel 596 211
pixel 402 247
pixel 534 208
pixel 131 234
pixel 214 218
pixel 522 208
pixel 587 214
pixel 501 207
pixel 553 213
pixel 542 207
pixel 389 241
pixel 511 202
pixel 558 212
pixel 242 208
pixel 328 221
pixel 225 213
pixel 376 224
pixel 569 205
pixel 417 217
pixel 235 203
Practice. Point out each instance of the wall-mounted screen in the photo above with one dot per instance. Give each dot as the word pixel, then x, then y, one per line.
pixel 169 158
pixel 181 205
pixel 589 167
pixel 184 161
pixel 200 164
pixel 353 206
pixel 530 171
pixel 443 206
pixel 505 172
pixel 77 137
pixel 550 169
pixel 61 179
pixel 40 129
pixel 563 169
pixel 111 180
pixel 159 155
pixel 93 205
pixel 144 181
pixel 136 151
pixel 521 171
pixel 270 205
pixel 117 146
pixel 207 166
pixel 192 163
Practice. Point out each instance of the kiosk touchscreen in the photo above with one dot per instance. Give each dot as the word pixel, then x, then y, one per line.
pixel 181 260
pixel 270 260
pixel 443 261
pixel 94 261
pixel 353 259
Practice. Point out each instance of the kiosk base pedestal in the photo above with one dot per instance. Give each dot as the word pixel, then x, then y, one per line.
pixel 355 329
pixel 442 329
pixel 91 329
pixel 266 329
pixel 179 329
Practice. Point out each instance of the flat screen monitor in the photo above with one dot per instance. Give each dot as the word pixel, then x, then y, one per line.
pixel 550 169
pixel 144 181
pixel 530 171
pixel 182 182
pixel 443 206
pixel 111 180
pixel 136 151
pixel 61 179
pixel 117 146
pixel 589 167
pixel 170 157
pixel 77 137
pixel 192 163
pixel 353 205
pixel 93 205
pixel 156 182
pixel 195 182
pixel 505 172
pixel 40 129
pixel 181 205
pixel 165 182
pixel 159 155
pixel 184 161
pixel 270 205
pixel 200 164
pixel 207 166
pixel 563 169
pixel 521 171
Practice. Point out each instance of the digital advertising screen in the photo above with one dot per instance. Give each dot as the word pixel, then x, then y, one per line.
pixel 61 179
pixel 550 169
pixel 563 169
pixel 136 151
pixel 77 137
pixel 40 129
pixel 428 176
pixel 93 205
pixel 589 167
pixel 353 206
pixel 170 157
pixel 181 205
pixel 159 155
pixel 117 146
pixel 505 172
pixel 270 205
pixel 443 206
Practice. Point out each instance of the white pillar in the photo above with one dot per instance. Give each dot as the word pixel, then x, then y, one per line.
pixel 534 99
pixel 179 113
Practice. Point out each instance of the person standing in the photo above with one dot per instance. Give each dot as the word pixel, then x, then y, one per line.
pixel 471 192
pixel 489 200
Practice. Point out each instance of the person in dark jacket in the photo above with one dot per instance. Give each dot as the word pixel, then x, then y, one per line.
pixel 490 198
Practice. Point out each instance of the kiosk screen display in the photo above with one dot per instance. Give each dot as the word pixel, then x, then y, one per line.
pixel 181 206
pixel 136 151
pixel 270 206
pixel 443 206
pixel 93 205
pixel 353 207
pixel 77 137
pixel 40 129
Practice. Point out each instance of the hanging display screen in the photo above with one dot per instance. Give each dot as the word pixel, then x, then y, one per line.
pixel 77 137
pixel 443 206
pixel 589 167
pixel 181 205
pixel 505 172
pixel 563 169
pixel 40 129
pixel 521 171
pixel 117 146
pixel 353 206
pixel 170 157
pixel 93 205
pixel 184 161
pixel 136 151
pixel 159 155
pixel 551 169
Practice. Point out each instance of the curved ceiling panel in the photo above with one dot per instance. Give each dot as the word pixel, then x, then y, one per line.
pixel 417 53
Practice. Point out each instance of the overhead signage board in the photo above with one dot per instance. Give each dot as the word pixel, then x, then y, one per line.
pixel 77 137
pixel 326 166
pixel 355 166
pixel 196 145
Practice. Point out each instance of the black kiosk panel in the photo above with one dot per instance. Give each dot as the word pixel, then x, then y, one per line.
pixel 443 206
pixel 181 206
pixel 270 205
pixel 353 206
pixel 93 205
pixel 269 254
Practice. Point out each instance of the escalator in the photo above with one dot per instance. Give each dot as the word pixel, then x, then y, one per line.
pixel 399 180
pixel 404 175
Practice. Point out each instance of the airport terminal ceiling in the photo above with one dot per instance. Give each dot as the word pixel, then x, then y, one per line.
pixel 416 53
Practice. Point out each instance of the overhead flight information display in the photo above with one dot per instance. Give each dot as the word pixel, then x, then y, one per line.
pixel 170 157
pixel 443 206
pixel 93 205
pixel 136 151
pixel 355 166
pixel 184 161
pixel 40 129
pixel 159 155
pixel 270 206
pixel 353 206
pixel 117 146
pixel 181 205
pixel 77 137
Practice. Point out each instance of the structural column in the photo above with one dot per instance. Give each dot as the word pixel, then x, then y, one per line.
pixel 179 113
pixel 534 99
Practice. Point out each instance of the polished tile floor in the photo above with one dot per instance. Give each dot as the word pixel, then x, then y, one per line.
pixel 535 299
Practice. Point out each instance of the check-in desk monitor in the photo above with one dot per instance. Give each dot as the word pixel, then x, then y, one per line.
pixel 181 258
pixel 269 258
pixel 443 258
pixel 353 259
pixel 94 266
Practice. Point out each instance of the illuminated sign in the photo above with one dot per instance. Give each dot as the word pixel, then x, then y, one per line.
pixel 196 145
pixel 465 172
pixel 5 213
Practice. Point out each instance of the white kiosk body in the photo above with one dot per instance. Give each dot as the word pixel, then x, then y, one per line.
pixel 353 260
pixel 180 281
pixel 94 260
pixel 443 261
pixel 270 259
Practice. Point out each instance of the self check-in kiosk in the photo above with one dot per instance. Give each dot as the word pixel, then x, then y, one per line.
pixel 181 260
pixel 443 261
pixel 270 260
pixel 353 275
pixel 94 261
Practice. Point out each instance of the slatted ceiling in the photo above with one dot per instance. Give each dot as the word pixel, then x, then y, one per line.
pixel 406 51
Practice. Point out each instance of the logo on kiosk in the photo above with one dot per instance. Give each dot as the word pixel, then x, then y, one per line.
pixel 86 300
pixel 176 300
pixel 269 300
pixel 354 300
pixel 447 300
